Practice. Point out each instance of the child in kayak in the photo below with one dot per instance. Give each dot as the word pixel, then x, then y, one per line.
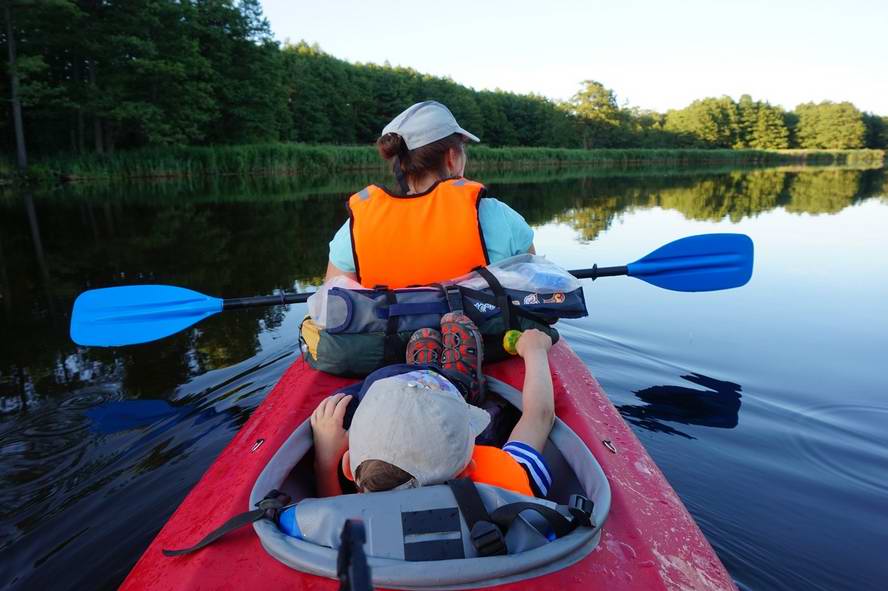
pixel 413 426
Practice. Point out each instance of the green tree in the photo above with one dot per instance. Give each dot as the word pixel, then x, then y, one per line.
pixel 156 86
pixel 498 128
pixel 598 114
pixel 770 131
pixel 710 122
pixel 876 131
pixel 828 125
pixel 747 121
pixel 247 74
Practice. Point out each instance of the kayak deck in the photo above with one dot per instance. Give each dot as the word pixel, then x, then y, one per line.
pixel 648 542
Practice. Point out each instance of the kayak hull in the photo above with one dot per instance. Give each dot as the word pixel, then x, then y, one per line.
pixel 649 541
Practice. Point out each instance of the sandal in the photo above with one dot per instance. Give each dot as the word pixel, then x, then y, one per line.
pixel 424 347
pixel 463 352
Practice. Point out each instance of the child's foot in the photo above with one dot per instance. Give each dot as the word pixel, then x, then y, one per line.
pixel 425 347
pixel 463 352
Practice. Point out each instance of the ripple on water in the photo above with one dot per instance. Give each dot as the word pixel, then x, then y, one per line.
pixel 46 445
pixel 850 441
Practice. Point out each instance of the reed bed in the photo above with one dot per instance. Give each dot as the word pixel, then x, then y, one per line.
pixel 312 160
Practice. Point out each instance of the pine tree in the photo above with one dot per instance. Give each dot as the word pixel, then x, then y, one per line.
pixel 828 125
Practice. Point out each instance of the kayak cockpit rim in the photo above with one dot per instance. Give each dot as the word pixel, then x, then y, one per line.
pixel 574 470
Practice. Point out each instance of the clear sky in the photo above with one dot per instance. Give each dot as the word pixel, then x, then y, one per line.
pixel 653 54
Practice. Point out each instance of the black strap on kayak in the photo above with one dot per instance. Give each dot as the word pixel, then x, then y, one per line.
pixel 268 508
pixel 454 298
pixel 452 295
pixel 579 508
pixel 392 350
pixel 352 569
pixel 560 525
pixel 487 529
pixel 486 537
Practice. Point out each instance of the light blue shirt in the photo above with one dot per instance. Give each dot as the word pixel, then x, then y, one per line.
pixel 505 234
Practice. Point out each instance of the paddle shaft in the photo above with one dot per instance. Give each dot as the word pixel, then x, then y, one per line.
pixel 269 300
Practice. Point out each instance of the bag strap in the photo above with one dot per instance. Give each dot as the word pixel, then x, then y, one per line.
pixel 412 309
pixel 453 296
pixel 268 508
pixel 502 298
pixel 486 537
pixel 505 515
pixel 487 529
pixel 392 351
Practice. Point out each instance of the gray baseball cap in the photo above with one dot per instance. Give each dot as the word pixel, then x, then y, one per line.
pixel 424 123
pixel 419 422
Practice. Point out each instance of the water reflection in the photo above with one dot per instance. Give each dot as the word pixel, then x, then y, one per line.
pixel 718 405
pixel 79 424
pixel 250 236
pixel 123 415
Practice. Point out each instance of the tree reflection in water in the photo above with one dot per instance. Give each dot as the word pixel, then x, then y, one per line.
pixel 239 237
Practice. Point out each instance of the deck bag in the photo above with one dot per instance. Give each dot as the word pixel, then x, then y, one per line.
pixel 353 330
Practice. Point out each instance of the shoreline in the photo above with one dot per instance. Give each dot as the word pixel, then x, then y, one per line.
pixel 305 159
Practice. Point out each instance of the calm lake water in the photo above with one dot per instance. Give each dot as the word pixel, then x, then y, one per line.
pixel 766 406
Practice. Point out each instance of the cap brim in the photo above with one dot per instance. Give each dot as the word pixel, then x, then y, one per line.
pixel 478 419
pixel 470 136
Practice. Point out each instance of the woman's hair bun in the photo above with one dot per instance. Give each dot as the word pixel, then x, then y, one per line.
pixel 390 145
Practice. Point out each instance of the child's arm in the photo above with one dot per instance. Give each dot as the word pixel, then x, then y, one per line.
pixel 330 442
pixel 538 399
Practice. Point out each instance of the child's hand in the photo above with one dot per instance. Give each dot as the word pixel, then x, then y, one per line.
pixel 533 340
pixel 330 439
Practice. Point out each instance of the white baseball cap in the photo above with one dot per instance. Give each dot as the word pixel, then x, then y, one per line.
pixel 424 123
pixel 419 422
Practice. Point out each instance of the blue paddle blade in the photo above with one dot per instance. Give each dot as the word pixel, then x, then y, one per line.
pixel 133 314
pixel 707 262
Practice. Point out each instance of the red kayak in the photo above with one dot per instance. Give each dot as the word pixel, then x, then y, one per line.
pixel 649 541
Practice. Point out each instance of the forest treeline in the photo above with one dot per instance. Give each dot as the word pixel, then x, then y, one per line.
pixel 95 76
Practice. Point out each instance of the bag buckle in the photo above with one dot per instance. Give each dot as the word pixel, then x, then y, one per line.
pixel 454 298
pixel 581 509
pixel 272 503
pixel 487 539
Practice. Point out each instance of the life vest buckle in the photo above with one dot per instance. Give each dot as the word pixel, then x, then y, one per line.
pixel 454 298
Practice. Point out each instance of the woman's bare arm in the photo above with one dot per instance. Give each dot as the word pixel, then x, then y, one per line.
pixel 334 271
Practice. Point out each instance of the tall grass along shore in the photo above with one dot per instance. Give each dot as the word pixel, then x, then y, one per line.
pixel 303 159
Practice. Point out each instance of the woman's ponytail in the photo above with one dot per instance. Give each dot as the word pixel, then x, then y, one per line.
pixel 391 145
pixel 411 164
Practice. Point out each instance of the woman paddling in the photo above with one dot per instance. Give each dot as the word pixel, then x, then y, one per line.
pixel 439 225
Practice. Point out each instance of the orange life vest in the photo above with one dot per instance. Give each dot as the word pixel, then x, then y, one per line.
pixel 496 467
pixel 403 240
